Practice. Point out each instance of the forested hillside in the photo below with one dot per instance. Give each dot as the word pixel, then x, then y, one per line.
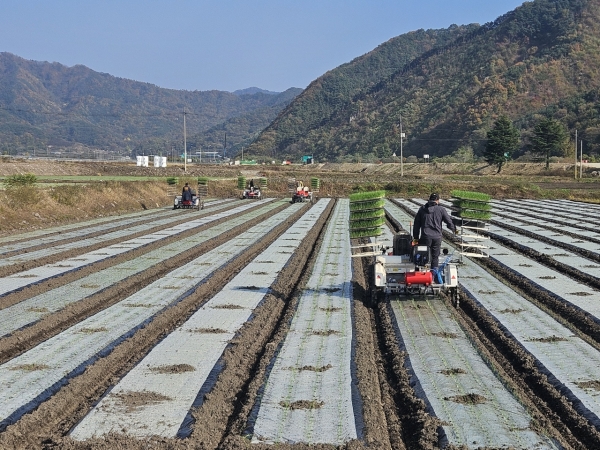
pixel 45 107
pixel 541 60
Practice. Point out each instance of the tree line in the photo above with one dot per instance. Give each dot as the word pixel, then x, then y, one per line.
pixel 549 138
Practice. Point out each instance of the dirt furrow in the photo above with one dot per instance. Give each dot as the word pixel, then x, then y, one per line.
pixel 523 370
pixel 592 256
pixel 31 290
pixel 51 420
pixel 109 228
pixel 31 264
pixel 284 301
pixel 554 413
pixel 52 324
pixel 501 213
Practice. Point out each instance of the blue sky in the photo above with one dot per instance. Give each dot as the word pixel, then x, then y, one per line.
pixel 221 44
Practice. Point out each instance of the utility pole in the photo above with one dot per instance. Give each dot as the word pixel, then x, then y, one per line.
pixel 184 143
pixel 401 153
pixel 581 159
pixel 575 154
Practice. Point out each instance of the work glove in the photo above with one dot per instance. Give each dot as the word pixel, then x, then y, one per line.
pixel 415 242
pixel 456 231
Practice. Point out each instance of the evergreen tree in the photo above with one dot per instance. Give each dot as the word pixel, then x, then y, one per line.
pixel 549 139
pixel 502 140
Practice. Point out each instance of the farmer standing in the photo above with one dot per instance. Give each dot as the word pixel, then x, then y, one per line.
pixel 428 227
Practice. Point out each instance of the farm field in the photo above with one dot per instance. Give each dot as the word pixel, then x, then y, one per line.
pixel 249 324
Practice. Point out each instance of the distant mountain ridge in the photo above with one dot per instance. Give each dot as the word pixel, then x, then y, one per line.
pixel 48 104
pixel 540 60
pixel 254 90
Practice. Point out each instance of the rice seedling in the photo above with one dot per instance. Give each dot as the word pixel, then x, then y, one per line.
pixel 241 182
pixel 367 205
pixel 262 182
pixel 470 195
pixel 364 196
pixel 473 214
pixel 471 204
pixel 315 183
pixel 363 215
pixel 172 180
pixel 202 181
pixel 370 223
pixel 369 232
pixel 366 214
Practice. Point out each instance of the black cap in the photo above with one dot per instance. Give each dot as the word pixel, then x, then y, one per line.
pixel 433 197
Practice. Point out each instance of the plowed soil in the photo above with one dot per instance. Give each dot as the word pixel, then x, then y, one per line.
pixel 394 416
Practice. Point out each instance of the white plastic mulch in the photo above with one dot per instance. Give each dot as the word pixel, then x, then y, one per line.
pixel 29 378
pixel 449 369
pixel 34 308
pixel 198 344
pixel 64 229
pixel 540 226
pixel 22 279
pixel 568 358
pixel 308 393
pixel 451 372
pixel 136 227
pixel 575 213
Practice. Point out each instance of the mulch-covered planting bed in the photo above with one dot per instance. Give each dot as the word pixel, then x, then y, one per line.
pixel 393 416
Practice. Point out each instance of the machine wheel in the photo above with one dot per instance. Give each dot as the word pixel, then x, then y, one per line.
pixel 454 297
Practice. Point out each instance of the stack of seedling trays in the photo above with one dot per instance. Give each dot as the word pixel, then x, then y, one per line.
pixel 172 189
pixel 203 187
pixel 291 183
pixel 241 182
pixel 366 214
pixel 471 211
pixel 262 184
pixel 315 184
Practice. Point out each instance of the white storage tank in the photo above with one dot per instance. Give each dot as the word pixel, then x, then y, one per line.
pixel 144 161
pixel 157 161
pixel 163 161
pixel 139 160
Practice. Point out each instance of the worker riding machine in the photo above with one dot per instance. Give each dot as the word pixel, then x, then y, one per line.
pixel 251 192
pixel 250 189
pixel 301 193
pixel 194 203
pixel 191 198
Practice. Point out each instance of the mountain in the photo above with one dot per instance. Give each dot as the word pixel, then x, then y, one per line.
pixel 241 130
pixel 48 104
pixel 449 86
pixel 253 90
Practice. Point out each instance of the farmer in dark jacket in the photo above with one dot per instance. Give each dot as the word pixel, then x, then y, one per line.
pixel 428 227
pixel 186 194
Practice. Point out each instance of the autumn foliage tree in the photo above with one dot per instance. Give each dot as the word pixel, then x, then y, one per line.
pixel 502 140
